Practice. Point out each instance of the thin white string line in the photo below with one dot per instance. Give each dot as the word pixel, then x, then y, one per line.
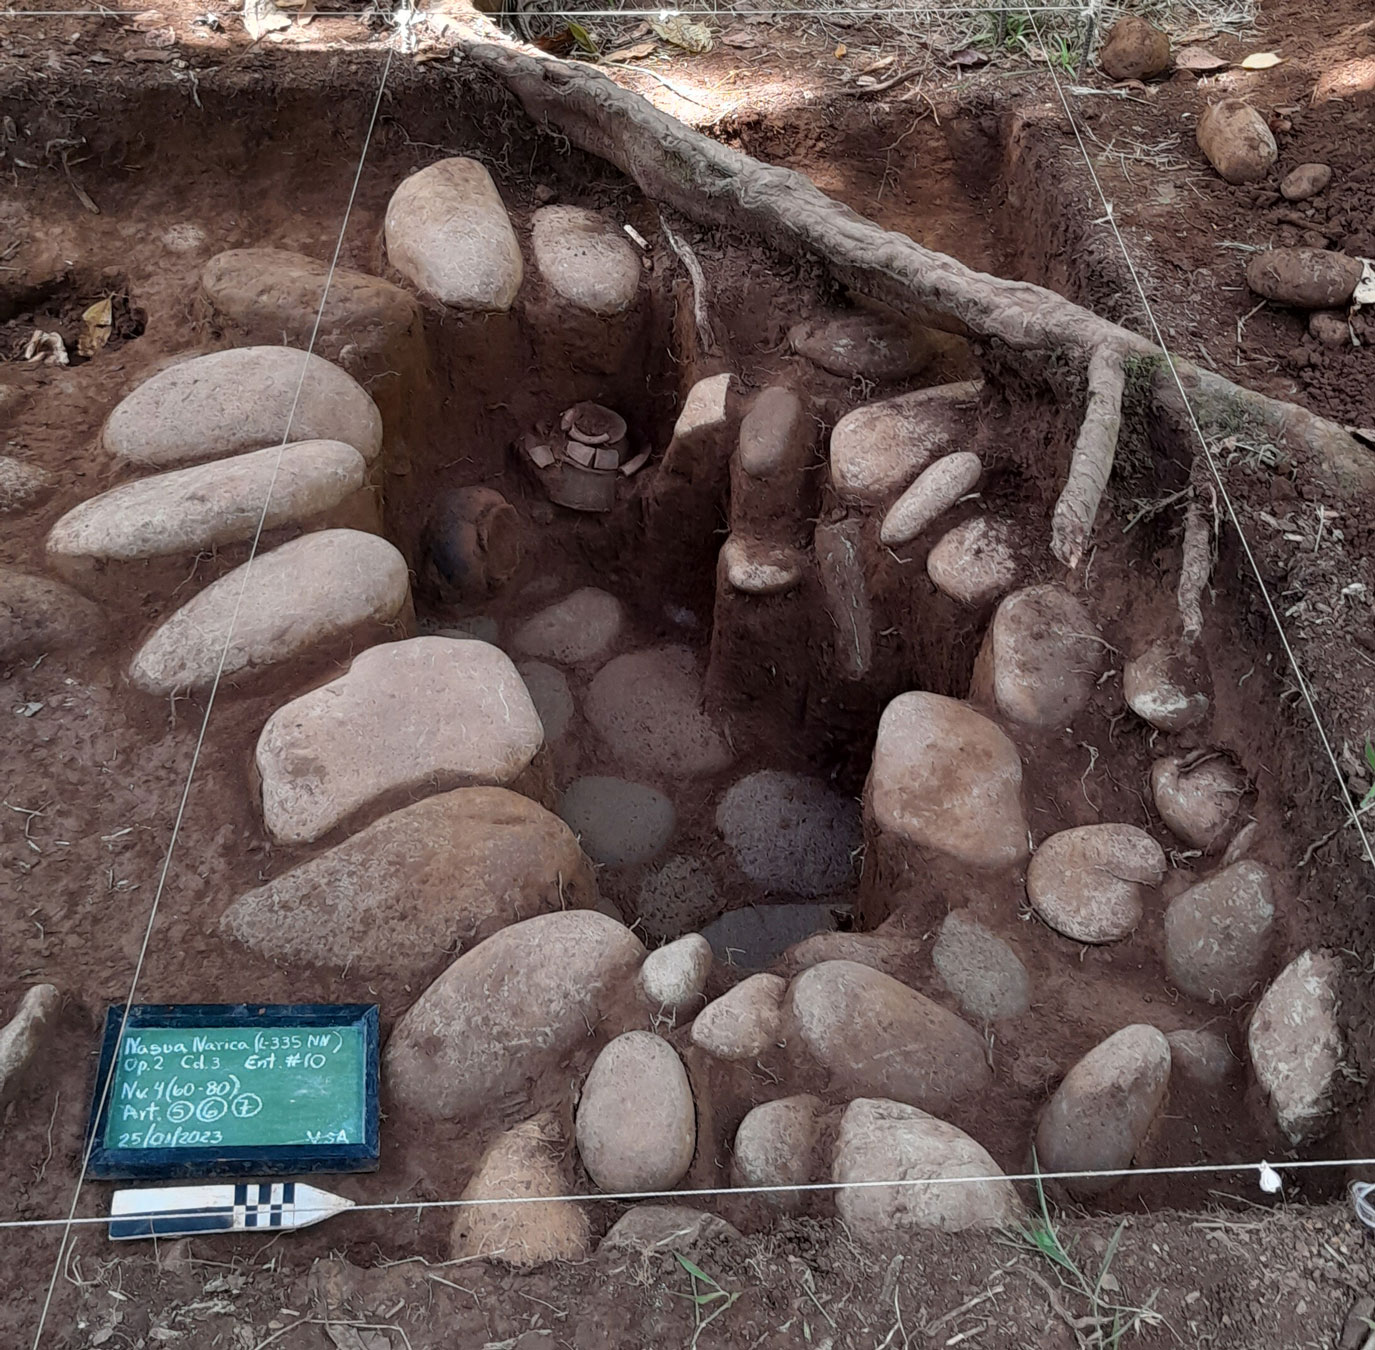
pixel 876 12
pixel 210 701
pixel 1208 454
pixel 796 1188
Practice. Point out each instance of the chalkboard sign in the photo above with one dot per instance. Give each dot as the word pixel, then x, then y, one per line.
pixel 212 1089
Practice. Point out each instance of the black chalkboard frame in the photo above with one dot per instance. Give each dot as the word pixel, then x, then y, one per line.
pixel 268 1160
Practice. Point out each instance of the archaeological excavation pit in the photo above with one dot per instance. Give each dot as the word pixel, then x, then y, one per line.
pixel 674 678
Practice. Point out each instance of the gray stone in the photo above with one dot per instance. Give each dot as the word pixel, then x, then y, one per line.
pixel 882 1140
pixel 937 488
pixel 647 707
pixel 321 592
pixel 666 1228
pixel 1305 181
pixel 876 1037
pixel 774 436
pixel 447 232
pixel 549 692
pixel 946 778
pixel 1200 802
pixel 755 567
pixel 390 900
pixel 26 1035
pixel 513 1008
pixel 581 629
pixel 419 716
pixel 1102 1112
pixel 790 833
pixel 980 969
pixel 745 1023
pixel 1218 933
pixel 1204 1057
pixel 22 485
pixel 1040 659
pixel 869 345
pixel 889 952
pixel 1296 1045
pixel 1237 141
pixel 677 896
pixel 1308 278
pixel 1158 689
pixel 974 563
pixel 234 401
pixel 39 615
pixel 618 823
pixel 754 936
pixel 777 1145
pixel 273 291
pixel 636 1120
pixel 585 258
pixel 522 1163
pixel 878 449
pixel 1087 882
pixel 199 509
pixel 673 977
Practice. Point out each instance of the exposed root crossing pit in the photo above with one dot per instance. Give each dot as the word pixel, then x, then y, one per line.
pixel 570 637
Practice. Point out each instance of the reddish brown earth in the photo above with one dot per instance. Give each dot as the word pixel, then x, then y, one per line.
pixel 267 158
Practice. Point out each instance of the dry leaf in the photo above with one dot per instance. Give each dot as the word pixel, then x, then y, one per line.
pixel 1199 60
pixel 841 50
pixel 969 58
pixel 636 53
pixel 96 323
pixel 691 37
pixel 741 37
pixel 1261 61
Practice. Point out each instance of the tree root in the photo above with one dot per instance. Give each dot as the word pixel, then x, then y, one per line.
pixel 1194 569
pixel 715 185
pixel 1091 464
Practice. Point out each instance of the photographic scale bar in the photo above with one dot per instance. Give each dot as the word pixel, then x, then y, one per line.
pixel 242 1207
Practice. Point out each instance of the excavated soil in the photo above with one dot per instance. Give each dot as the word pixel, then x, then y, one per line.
pixel 251 154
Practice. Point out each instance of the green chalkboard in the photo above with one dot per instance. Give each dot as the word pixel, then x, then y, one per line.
pixel 233 1089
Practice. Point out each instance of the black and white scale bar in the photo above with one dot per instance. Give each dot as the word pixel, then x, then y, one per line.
pixel 242 1207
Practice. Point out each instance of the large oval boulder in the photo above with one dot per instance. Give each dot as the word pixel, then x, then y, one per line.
pixel 1161 689
pixel 779 1144
pixel 1134 50
pixel 323 594
pixel 1040 658
pixel 204 507
pixel 579 630
pixel 420 716
pixel 1199 799
pixel 745 1022
pixel 618 823
pixel 791 833
pixel 1307 278
pixel 390 900
pixel 975 562
pixel 673 976
pixel 883 1140
pixel 636 1122
pixel 946 779
pixel 878 449
pixel 448 234
pixel 647 707
pixel 274 291
pixel 1088 883
pixel 980 969
pixel 512 1009
pixel 936 489
pixel 243 399
pixel 1296 1044
pixel 876 1037
pixel 1103 1110
pixel 521 1165
pixel 38 615
pixel 1218 933
pixel 585 258
pixel 1236 140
